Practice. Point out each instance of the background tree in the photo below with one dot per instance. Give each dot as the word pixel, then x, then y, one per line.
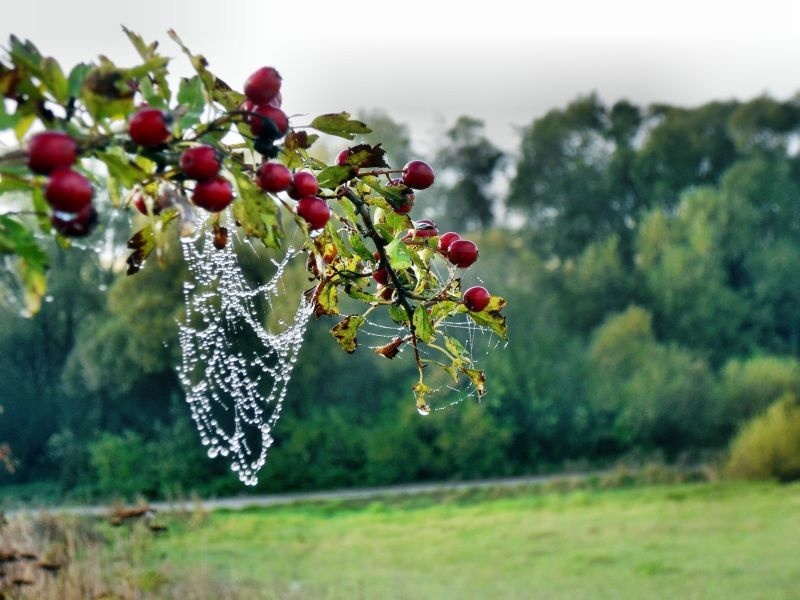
pixel 468 163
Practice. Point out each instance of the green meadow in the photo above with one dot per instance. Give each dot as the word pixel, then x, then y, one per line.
pixel 709 540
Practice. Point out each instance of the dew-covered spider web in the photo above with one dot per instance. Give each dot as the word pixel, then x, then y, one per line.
pixel 236 365
pixel 240 341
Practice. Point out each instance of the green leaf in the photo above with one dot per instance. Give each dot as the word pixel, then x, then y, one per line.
pixel 478 379
pixel 156 63
pixel 399 257
pixel 121 167
pixel 339 124
pixel 357 244
pixel 76 78
pixel 446 308
pixel 332 177
pixel 398 314
pixel 491 317
pixel 345 332
pixel 192 101
pixel 42 209
pixel 423 328
pixel 32 262
pixel 25 54
pixel 454 347
pixel 256 212
pixel 219 91
pixel 54 80
pixel 14 184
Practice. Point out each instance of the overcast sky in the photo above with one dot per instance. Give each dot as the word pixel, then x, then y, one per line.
pixel 426 62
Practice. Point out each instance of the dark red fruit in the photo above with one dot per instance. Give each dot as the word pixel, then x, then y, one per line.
pixel 462 253
pixel 314 211
pixel 445 240
pixel 418 174
pixel 381 276
pixel 149 127
pixel 49 151
pixel 268 121
pixel 214 195
pixel 68 191
pixel 423 229
pixel 277 101
pixel 341 159
pixel 304 184
pixel 273 177
pixel 476 298
pixel 200 163
pixel 77 224
pixel 263 85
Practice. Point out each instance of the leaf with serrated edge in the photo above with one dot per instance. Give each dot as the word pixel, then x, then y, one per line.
pixel 339 124
pixel 345 332
pixel 490 316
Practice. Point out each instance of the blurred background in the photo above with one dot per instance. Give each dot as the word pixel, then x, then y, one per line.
pixel 633 181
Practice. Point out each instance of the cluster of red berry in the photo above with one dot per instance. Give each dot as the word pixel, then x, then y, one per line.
pixel 149 127
pixel 68 192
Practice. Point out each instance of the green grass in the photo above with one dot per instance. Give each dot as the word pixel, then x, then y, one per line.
pixel 722 540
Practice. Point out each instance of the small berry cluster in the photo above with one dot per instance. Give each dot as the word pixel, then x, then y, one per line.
pixel 149 127
pixel 69 193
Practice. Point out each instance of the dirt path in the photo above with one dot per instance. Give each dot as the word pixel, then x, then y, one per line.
pixel 241 502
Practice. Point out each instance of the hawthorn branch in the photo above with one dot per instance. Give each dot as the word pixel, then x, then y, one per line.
pixel 380 244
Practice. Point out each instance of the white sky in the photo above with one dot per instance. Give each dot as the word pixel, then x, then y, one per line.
pixel 426 63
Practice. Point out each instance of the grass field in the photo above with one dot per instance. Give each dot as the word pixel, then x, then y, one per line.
pixel 718 540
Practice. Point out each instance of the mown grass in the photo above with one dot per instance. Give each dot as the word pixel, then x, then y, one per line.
pixel 710 540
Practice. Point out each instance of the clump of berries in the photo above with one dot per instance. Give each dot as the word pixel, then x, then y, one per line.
pixel 69 193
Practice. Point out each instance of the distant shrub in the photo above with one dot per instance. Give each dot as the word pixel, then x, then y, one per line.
pixel 768 447
pixel 748 387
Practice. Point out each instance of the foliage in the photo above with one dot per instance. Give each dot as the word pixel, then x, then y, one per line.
pixel 748 387
pixel 99 108
pixel 768 447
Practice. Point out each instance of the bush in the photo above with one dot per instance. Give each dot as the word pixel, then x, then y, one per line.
pixel 768 447
pixel 748 387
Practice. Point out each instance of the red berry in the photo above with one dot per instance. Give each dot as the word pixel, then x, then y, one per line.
pixel 418 174
pixel 381 276
pixel 314 211
pixel 476 298
pixel 200 163
pixel 148 127
pixel 214 195
pixel 304 184
pixel 341 159
pixel 268 121
pixel 273 177
pixel 277 101
pixel 77 224
pixel 462 253
pixel 263 85
pixel 423 229
pixel 68 191
pixel 49 151
pixel 445 240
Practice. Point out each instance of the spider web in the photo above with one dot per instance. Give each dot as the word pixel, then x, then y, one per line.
pixel 235 368
pixel 238 354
